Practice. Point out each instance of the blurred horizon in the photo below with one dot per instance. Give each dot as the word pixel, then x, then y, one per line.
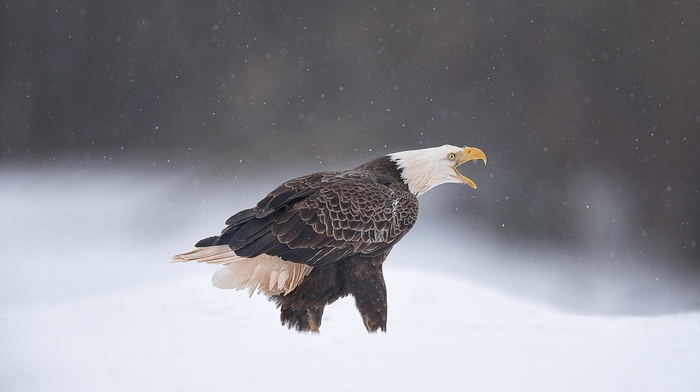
pixel 105 229
pixel 589 113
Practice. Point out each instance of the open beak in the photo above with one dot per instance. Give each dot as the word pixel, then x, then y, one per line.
pixel 468 154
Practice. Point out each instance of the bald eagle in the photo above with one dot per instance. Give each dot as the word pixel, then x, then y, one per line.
pixel 323 236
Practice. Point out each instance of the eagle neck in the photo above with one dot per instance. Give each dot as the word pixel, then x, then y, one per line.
pixel 417 172
pixel 384 166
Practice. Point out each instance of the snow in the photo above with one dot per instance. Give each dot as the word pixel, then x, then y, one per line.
pixel 88 301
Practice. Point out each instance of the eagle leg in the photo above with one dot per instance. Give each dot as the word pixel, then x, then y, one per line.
pixel 369 290
pixel 315 315
pixel 302 319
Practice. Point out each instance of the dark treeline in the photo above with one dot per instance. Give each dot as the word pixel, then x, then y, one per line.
pixel 589 111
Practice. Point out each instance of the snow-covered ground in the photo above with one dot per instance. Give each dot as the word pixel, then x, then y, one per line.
pixel 89 302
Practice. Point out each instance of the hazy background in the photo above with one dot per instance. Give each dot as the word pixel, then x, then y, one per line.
pixel 589 113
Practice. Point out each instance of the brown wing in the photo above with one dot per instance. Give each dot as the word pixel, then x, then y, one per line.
pixel 322 218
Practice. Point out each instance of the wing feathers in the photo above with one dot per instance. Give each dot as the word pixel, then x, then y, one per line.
pixel 306 238
pixel 265 242
pixel 324 217
pixel 292 232
pixel 241 216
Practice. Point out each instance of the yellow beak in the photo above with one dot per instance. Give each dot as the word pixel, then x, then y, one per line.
pixel 468 154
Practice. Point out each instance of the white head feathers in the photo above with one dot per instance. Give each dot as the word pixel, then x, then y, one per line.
pixel 427 168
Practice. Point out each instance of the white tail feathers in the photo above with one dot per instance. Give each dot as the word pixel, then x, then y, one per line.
pixel 220 254
pixel 267 274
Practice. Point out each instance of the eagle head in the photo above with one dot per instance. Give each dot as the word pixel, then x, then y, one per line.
pixel 427 168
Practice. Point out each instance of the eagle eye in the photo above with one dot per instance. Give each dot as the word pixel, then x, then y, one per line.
pixel 451 156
